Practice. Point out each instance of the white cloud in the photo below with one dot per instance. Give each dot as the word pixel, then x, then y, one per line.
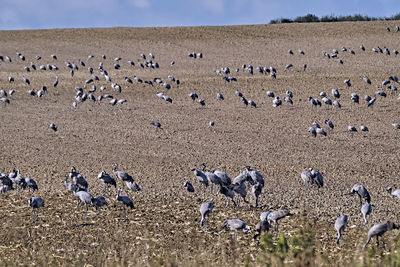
pixel 140 3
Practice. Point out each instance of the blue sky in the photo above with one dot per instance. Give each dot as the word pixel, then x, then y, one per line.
pixel 43 14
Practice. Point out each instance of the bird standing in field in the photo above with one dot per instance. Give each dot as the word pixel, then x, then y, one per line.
pixel 236 225
pixel 36 203
pixel 379 230
pixel 107 180
pixel 361 191
pixel 395 193
pixel 125 177
pixel 205 210
pixel 340 225
pixel 366 210
pixel 275 216
pixel 261 227
pixel 125 201
pixel 99 202
pixel 84 197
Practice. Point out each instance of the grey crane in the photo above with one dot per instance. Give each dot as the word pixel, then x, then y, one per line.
pixel 225 179
pixel 189 187
pixel 337 104
pixel 261 227
pixel 84 197
pixel 228 193
pixel 327 101
pixel 220 96
pixel 240 189
pixel 193 96
pixel 270 94
pixel 205 210
pixel 36 203
pixel 347 82
pixel 321 131
pixel 351 128
pixel 156 124
pixel 133 186
pixel 312 131
pixel 99 202
pixel 364 128
pixel 200 176
pixel 366 210
pixel 238 93
pixel 275 216
pixel 362 192
pixel 125 201
pixel 53 127
pixel 80 181
pixel 255 176
pixel 340 225
pixel 70 186
pixel 107 180
pixel 236 225
pixel 379 230
pixel 312 176
pixel 30 183
pixel 264 215
pixel 355 98
pixel 396 125
pixel 395 193
pixel 26 80
pixel 256 190
pixel 212 178
pixel 367 80
pixel 125 177
pixel 329 123
pixel 287 99
pixel 245 102
pixel 276 102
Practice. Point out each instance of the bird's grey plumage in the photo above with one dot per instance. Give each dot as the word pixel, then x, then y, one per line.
pixel 329 123
pixel 200 176
pixel 256 190
pixel 275 216
pixel 335 93
pixel 395 193
pixel 125 201
pixel 340 225
pixel 366 210
pixel 225 179
pixel 379 230
pixel 236 225
pixel 205 210
pixel 36 203
pixel 84 197
pixel 228 193
pixel 125 177
pixel 133 186
pixel 80 181
pixel 99 202
pixel 362 192
pixel 189 187
pixel 312 131
pixel 255 176
pixel 107 180
pixel 261 227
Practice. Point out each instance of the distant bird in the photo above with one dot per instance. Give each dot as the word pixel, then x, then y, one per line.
pixel 340 225
pixel 227 192
pixel 275 216
pixel 395 193
pixel 245 102
pixel 326 100
pixel 355 98
pixel 125 201
pixel 205 210
pixel 379 230
pixel 347 82
pixel 202 102
pixel 367 98
pixel 362 192
pixel 193 96
pixel 289 100
pixel 238 93
pixel 364 128
pixel 189 187
pixel 261 227
pixel 84 197
pixel 351 128
pixel 26 80
pixel 329 123
pixel 396 125
pixel 125 177
pixel 337 104
pixel 55 82
pixel 252 103
pixel 312 131
pixel 270 94
pixel 53 127
pixel 276 102
pixel 80 181
pixel 200 177
pixel 133 186
pixel 211 124
pixel 290 51
pixel 236 225
pixel 99 202
pixel 367 80
pixel 366 210
pixel 107 180
pixel 321 131
pixel 157 124
pixel 362 47
pixel 36 203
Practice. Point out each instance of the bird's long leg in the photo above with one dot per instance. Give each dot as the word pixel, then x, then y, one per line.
pixel 79 202
pixel 377 241
pixel 86 211
pixel 366 243
pixel 276 229
pixel 34 217
pixel 234 235
pixel 256 201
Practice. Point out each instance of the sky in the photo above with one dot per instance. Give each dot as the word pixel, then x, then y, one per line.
pixel 48 14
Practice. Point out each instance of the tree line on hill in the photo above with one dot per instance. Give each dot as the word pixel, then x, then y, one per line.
pixel 313 18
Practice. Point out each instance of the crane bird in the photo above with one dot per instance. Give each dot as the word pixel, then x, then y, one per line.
pixel 227 192
pixel 256 190
pixel 275 216
pixel 99 202
pixel 361 191
pixel 261 227
pixel 189 187
pixel 366 210
pixel 26 80
pixel 347 82
pixel 80 181
pixel 329 123
pixel 36 203
pixel 367 80
pixel 205 210
pixel 395 193
pixel 225 179
pixel 125 177
pixel 254 176
pixel 84 197
pixel 53 127
pixel 340 225
pixel 236 225
pixel 107 180
pixel 379 230
pixel 125 201
pixel 312 131
pixel 200 177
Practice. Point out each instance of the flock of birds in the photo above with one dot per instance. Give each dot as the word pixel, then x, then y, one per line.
pixel 233 190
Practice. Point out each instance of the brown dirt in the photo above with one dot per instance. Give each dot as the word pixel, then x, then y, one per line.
pixel 165 223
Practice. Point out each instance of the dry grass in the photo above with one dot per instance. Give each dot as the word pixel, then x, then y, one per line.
pixel 164 227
